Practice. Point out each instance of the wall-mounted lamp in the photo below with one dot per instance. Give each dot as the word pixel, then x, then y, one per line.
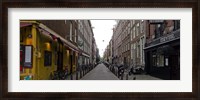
pixel 29 35
pixel 48 45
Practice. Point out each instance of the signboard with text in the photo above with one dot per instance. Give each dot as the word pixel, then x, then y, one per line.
pixel 28 56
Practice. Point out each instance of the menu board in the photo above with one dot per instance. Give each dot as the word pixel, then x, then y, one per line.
pixel 28 56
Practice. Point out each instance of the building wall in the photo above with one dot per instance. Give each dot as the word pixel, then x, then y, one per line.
pixel 85 32
pixel 40 43
pixel 68 29
pixel 162 49
pixel 138 38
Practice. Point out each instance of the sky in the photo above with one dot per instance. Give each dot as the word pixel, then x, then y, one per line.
pixel 102 33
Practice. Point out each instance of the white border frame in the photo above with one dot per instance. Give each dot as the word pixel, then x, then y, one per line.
pixel 182 85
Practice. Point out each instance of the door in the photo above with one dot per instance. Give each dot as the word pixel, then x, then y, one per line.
pixel 174 67
pixel 60 57
pixel 125 63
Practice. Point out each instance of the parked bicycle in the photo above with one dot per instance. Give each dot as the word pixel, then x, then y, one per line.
pixel 136 70
pixel 58 75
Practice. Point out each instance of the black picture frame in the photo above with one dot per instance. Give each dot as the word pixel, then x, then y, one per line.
pixel 194 4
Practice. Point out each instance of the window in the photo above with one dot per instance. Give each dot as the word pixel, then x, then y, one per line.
pixel 131 35
pixel 47 58
pixel 75 36
pixel 142 51
pixel 70 31
pixel 133 22
pixel 137 29
pixel 160 60
pixel 138 49
pixel 142 26
pixel 158 31
pixel 125 34
pixel 177 24
pixel 133 32
pixel 134 46
pixel 124 48
pixel 128 46
pixel 131 51
pixel 154 59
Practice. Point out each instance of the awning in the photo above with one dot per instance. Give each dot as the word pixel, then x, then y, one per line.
pixel 24 24
pixel 66 42
pixel 173 36
pixel 48 32
pixel 160 44
pixel 84 54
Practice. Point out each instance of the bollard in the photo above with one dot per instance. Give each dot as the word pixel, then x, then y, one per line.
pixel 81 74
pixel 71 76
pixel 126 76
pixel 122 77
pixel 76 75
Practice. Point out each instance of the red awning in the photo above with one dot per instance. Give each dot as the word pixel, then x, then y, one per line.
pixel 24 24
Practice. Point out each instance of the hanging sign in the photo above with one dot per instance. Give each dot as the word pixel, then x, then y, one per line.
pixel 28 56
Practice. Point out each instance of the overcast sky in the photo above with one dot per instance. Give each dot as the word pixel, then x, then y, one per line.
pixel 102 33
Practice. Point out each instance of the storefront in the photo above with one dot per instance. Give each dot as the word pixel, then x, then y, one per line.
pixel 162 57
pixel 43 51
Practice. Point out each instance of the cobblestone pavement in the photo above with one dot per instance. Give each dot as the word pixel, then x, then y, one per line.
pixel 100 72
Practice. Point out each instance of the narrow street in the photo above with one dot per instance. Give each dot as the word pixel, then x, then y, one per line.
pixel 101 72
pixel 130 50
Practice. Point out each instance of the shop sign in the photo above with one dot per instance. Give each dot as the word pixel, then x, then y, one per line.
pixel 164 39
pixel 167 38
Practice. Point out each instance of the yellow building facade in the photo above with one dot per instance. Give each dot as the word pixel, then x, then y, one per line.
pixel 45 50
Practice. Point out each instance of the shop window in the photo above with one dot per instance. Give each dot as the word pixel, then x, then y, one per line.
pixel 166 62
pixel 160 60
pixel 47 58
pixel 154 60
